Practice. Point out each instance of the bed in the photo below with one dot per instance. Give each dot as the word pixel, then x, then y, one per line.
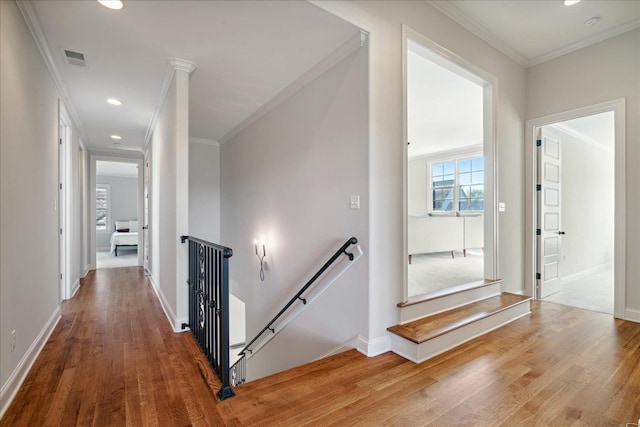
pixel 125 234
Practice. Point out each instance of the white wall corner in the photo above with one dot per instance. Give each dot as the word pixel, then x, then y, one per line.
pixel 87 268
pixel 17 377
pixel 182 65
pixel 632 315
pixel 75 288
pixel 373 347
pixel 351 343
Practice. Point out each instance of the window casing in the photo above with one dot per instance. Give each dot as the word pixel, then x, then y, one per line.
pixel 103 207
pixel 456 185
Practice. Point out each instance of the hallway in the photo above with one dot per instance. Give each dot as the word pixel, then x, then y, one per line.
pixel 113 361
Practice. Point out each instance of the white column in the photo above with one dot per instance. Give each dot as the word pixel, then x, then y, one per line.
pixel 183 69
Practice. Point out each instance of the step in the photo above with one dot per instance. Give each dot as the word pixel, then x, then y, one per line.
pixel 424 305
pixel 427 337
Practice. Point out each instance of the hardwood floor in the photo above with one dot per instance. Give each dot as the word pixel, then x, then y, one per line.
pixel 114 361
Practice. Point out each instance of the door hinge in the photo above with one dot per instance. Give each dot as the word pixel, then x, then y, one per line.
pixel 61 186
pixel 538 143
pixel 538 187
pixel 61 231
pixel 60 140
pixel 538 277
pixel 60 276
pixel 538 232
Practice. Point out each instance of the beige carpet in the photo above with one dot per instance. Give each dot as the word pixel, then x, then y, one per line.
pixel 435 271
pixel 594 292
pixel 126 258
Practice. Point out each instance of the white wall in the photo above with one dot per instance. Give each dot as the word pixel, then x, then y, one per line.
pixel 204 191
pixel 29 285
pixel 602 72
pixel 587 205
pixel 163 189
pixel 169 218
pixel 287 179
pixel 417 186
pixel 124 204
pixel 383 20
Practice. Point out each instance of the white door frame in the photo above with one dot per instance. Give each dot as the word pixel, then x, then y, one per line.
pixel 64 201
pixel 92 200
pixel 619 108
pixel 489 83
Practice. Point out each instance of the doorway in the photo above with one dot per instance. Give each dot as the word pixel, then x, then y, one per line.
pixel 116 213
pixel 575 208
pixel 450 223
pixel 64 211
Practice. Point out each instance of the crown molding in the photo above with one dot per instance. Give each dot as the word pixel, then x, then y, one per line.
pixel 350 46
pixel 204 141
pixel 31 19
pixel 597 38
pixel 582 137
pixel 479 30
pixel 182 65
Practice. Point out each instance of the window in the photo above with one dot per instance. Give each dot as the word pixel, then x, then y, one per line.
pixel 102 207
pixel 458 185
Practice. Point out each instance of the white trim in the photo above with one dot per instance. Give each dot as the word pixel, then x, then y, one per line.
pixel 17 377
pixel 618 106
pixel 469 150
pixel 597 38
pixel 453 12
pixel 166 84
pixel 350 46
pixel 75 288
pixel 450 10
pixel 31 19
pixel 632 315
pixel 584 273
pixel 175 323
pixel 373 347
pixel 182 65
pixel 87 269
pixel 351 343
pixel 204 141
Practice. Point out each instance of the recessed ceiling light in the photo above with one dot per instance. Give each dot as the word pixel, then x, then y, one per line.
pixel 116 137
pixel 570 2
pixel 112 4
pixel 114 101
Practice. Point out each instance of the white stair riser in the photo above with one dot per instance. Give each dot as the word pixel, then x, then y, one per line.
pixel 418 353
pixel 438 305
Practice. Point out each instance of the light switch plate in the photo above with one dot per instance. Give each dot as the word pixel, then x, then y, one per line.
pixel 354 202
pixel 501 207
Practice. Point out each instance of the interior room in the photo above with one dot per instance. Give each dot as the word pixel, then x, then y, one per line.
pixel 116 214
pixel 446 175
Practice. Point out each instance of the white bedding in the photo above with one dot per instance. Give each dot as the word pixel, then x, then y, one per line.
pixel 123 238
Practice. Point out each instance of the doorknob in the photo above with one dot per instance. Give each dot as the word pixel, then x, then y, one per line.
pixel 561 232
pixel 146 227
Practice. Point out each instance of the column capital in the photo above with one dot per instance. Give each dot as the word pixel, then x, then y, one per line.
pixel 182 65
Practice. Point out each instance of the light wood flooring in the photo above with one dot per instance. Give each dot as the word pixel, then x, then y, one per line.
pixel 114 361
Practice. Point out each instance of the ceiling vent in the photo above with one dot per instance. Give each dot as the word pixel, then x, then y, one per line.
pixel 74 58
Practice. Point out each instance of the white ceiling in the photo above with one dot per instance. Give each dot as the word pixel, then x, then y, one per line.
pixel 246 52
pixel 444 109
pixel 116 168
pixel 534 31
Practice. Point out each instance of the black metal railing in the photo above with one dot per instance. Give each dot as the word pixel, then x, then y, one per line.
pixel 239 368
pixel 209 305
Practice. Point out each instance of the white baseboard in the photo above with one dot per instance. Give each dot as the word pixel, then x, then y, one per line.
pixel 105 249
pixel 374 347
pixel 74 288
pixel 176 324
pixel 632 315
pixel 87 269
pixel 17 377
pixel 347 345
pixel 584 273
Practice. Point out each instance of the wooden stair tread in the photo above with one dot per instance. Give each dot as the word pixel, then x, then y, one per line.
pixel 427 328
pixel 417 299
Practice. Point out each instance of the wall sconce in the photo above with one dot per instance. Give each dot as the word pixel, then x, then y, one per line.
pixel 261 259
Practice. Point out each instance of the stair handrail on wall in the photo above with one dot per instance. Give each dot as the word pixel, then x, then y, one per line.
pixel 209 305
pixel 238 370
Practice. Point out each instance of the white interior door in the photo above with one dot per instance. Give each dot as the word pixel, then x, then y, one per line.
pixel 145 227
pixel 549 232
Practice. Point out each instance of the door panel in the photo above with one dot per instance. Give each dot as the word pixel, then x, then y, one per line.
pixel 549 212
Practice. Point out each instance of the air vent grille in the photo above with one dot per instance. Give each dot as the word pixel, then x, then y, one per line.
pixel 74 58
